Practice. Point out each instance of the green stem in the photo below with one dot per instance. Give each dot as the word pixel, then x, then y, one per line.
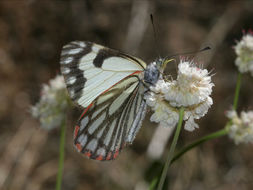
pixel 214 135
pixel 172 149
pixel 237 90
pixel 61 157
pixel 153 184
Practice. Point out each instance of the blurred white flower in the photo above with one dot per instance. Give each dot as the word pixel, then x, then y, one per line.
pixel 244 52
pixel 241 129
pixel 54 101
pixel 191 90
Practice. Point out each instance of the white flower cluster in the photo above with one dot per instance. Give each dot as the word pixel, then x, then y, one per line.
pixel 54 101
pixel 191 90
pixel 241 129
pixel 244 52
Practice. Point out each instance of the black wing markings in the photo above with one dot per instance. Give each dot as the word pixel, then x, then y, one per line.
pixel 120 128
pixel 70 61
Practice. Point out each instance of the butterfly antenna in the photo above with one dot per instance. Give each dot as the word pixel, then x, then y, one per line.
pixel 155 35
pixel 170 58
pixel 187 53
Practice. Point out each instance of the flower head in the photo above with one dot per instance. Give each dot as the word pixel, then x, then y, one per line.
pixel 54 101
pixel 244 52
pixel 192 87
pixel 191 90
pixel 241 129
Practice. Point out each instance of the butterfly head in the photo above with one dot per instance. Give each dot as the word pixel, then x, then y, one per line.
pixel 154 70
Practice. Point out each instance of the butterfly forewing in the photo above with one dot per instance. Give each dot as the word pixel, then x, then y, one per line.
pixel 90 69
pixel 111 121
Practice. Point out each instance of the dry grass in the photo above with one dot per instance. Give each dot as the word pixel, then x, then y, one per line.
pixel 32 33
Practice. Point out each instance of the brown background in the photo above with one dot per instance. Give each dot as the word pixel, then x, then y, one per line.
pixel 32 33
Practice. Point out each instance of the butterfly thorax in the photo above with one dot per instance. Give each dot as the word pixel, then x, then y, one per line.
pixel 152 72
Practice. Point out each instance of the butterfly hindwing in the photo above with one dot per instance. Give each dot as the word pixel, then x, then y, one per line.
pixel 111 120
pixel 90 69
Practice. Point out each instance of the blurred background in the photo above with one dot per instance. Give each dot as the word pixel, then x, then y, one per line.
pixel 32 33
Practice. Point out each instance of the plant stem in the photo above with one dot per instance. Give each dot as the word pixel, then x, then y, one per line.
pixel 61 157
pixel 237 90
pixel 214 135
pixel 172 149
pixel 153 184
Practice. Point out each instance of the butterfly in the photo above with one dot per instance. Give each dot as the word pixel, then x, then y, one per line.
pixel 110 86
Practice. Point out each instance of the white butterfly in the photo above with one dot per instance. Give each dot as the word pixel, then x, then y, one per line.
pixel 110 85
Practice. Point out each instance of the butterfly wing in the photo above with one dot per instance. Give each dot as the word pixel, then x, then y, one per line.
pixel 90 69
pixel 111 120
pixel 107 84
